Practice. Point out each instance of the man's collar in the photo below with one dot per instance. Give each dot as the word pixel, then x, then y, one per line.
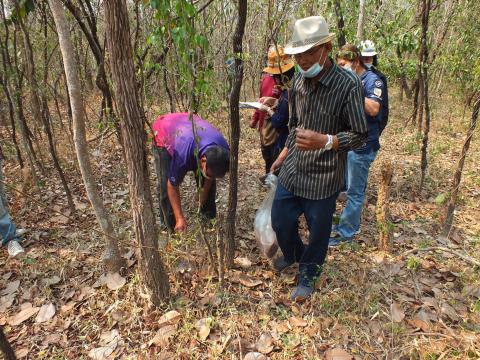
pixel 327 78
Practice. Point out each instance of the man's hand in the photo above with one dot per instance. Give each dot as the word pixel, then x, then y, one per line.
pixel 181 225
pixel 266 109
pixel 310 140
pixel 277 163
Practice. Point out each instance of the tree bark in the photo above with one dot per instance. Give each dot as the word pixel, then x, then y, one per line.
pixel 449 213
pixel 132 126
pixel 340 23
pixel 235 131
pixel 112 258
pixel 361 21
pixel 424 66
pixel 382 209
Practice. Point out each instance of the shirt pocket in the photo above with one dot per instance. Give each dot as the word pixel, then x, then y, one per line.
pixel 325 123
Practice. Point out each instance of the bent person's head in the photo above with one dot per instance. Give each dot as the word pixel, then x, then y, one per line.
pixel 349 58
pixel 215 162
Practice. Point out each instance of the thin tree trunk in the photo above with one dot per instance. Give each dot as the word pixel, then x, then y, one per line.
pixel 448 222
pixel 382 209
pixel 117 31
pixel 5 346
pixel 424 67
pixel 112 258
pixel 340 23
pixel 47 124
pixel 361 23
pixel 235 131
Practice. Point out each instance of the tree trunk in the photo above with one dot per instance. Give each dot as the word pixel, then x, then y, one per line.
pixel 426 128
pixel 382 209
pixel 235 131
pixel 360 25
pixel 448 222
pixel 117 31
pixel 340 23
pixel 5 346
pixel 112 259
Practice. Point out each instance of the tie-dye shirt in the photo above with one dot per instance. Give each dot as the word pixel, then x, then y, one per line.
pixel 174 133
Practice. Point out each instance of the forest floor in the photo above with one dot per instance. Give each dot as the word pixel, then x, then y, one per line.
pixel 55 302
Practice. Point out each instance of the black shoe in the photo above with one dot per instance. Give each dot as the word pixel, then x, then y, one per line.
pixel 280 264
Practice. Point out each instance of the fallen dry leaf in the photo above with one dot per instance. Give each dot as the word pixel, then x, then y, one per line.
pixel 420 324
pixel 397 313
pixel 45 313
pixel 68 306
pixel 11 288
pixel 103 352
pixel 6 301
pixel 203 327
pixel 163 335
pixel 295 321
pixel 255 356
pixel 243 262
pixel 338 354
pixel 24 314
pixel 265 343
pixel 447 309
pixel 248 282
pixel 114 281
pixel 21 353
pixel 109 341
pixel 170 318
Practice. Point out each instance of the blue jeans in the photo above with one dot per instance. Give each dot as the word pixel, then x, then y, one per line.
pixel 286 210
pixel 7 228
pixel 358 166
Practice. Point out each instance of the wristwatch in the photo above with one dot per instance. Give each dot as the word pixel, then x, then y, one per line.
pixel 329 144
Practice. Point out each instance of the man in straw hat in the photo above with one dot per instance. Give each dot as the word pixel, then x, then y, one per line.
pixel 327 119
pixel 279 66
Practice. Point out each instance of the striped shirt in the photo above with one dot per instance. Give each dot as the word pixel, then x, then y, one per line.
pixel 336 107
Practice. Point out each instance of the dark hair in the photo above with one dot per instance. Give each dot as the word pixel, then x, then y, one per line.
pixel 286 76
pixel 218 160
pixel 375 61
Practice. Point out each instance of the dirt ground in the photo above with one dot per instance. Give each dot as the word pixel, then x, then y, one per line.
pixel 368 304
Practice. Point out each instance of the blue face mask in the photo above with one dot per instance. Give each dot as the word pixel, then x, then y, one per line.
pixel 313 70
pixel 368 66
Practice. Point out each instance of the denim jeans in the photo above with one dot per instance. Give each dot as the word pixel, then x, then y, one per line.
pixel 7 228
pixel 167 218
pixel 358 166
pixel 286 210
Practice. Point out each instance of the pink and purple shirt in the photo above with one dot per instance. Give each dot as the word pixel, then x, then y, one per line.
pixel 174 133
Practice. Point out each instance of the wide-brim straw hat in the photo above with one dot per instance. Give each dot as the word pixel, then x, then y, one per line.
pixel 307 33
pixel 278 61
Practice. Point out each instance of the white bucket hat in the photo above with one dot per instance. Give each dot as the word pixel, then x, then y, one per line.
pixel 367 48
pixel 307 33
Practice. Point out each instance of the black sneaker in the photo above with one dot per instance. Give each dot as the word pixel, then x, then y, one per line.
pixel 280 264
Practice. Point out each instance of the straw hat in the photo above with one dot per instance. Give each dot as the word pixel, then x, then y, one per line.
pixel 278 59
pixel 307 33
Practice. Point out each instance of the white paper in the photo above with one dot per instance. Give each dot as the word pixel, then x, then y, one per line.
pixel 249 105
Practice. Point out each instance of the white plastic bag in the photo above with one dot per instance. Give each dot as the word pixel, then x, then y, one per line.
pixel 266 237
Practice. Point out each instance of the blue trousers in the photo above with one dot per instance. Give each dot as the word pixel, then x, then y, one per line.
pixel 7 228
pixel 358 166
pixel 286 210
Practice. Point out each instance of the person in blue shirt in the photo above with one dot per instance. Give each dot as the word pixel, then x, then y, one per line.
pixel 359 160
pixel 370 59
